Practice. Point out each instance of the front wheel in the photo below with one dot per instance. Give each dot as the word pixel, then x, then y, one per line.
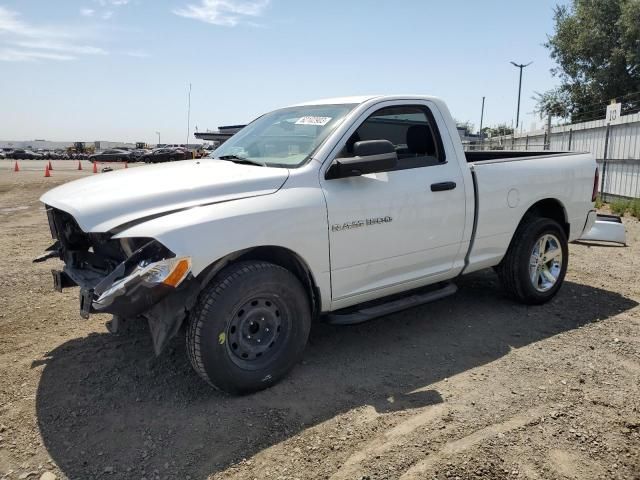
pixel 535 264
pixel 249 327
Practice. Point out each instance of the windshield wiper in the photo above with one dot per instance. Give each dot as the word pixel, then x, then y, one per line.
pixel 238 159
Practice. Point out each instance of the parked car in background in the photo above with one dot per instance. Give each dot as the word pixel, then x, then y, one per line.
pixel 22 154
pixel 191 154
pixel 50 154
pixel 165 155
pixel 2 155
pixel 200 152
pixel 112 155
pixel 138 153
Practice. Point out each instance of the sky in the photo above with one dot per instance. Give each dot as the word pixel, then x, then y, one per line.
pixel 119 70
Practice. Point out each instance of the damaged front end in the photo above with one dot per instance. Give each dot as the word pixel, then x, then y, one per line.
pixel 129 277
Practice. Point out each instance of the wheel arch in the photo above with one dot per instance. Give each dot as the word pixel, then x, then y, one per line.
pixel 548 208
pixel 277 255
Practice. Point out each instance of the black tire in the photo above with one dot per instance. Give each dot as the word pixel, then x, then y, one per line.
pixel 514 270
pixel 249 327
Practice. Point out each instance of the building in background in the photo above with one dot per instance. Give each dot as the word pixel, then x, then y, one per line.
pixel 223 134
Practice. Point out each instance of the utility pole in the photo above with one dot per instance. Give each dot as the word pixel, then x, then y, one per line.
pixel 158 133
pixel 188 115
pixel 520 66
pixel 481 119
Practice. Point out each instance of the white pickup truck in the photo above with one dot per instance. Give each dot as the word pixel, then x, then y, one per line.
pixel 341 210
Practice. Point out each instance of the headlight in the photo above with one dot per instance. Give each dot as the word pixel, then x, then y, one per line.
pixel 170 272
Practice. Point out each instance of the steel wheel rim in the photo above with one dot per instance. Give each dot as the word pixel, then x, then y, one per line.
pixel 545 263
pixel 257 330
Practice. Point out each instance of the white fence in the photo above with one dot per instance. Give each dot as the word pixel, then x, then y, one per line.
pixel 616 146
pixel 619 178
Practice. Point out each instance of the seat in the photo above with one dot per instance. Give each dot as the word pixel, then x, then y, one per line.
pixel 420 146
pixel 420 141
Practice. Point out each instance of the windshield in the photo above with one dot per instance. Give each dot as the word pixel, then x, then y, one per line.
pixel 283 138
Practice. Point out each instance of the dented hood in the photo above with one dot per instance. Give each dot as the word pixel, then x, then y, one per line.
pixel 104 201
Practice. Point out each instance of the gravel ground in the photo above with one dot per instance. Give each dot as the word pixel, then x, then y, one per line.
pixel 473 386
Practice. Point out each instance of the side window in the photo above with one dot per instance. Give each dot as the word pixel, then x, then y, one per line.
pixel 410 128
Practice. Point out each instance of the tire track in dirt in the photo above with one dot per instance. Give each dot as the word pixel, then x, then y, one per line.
pixel 571 465
pixel 420 469
pixel 394 437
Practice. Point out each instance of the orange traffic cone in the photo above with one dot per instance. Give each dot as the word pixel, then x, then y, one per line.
pixel 50 166
pixel 46 171
pixel 16 168
pixel 95 167
pixel 79 165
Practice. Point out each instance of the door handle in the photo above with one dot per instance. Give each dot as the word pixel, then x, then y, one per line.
pixel 442 186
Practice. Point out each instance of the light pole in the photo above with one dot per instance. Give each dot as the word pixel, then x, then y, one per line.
pixel 188 115
pixel 520 66
pixel 158 133
pixel 481 119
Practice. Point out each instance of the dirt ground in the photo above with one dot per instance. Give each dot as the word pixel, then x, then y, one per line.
pixel 473 386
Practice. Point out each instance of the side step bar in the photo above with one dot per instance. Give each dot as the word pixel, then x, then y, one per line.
pixel 371 311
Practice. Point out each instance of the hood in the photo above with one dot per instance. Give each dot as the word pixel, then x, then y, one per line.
pixel 102 202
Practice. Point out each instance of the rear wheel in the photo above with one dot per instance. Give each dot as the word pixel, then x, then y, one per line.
pixel 535 265
pixel 249 327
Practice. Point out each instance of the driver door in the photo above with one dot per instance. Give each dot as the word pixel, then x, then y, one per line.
pixel 399 229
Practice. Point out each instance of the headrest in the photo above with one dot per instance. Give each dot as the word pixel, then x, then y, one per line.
pixel 420 140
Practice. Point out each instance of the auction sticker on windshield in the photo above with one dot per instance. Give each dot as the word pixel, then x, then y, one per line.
pixel 313 121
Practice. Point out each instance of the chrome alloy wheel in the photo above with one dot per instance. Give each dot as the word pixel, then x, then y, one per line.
pixel 545 263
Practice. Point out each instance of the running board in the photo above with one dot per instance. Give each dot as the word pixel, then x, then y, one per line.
pixel 353 317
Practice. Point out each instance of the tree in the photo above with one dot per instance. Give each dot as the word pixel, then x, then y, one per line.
pixel 466 126
pixel 596 45
pixel 554 103
pixel 498 130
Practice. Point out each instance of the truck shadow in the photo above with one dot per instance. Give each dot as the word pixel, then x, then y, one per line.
pixel 105 404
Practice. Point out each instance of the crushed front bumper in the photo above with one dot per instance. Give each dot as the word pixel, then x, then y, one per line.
pixel 126 295
pixel 124 277
pixel 127 277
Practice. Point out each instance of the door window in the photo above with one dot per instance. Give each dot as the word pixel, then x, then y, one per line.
pixel 410 128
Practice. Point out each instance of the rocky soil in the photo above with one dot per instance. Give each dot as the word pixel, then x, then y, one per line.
pixel 471 387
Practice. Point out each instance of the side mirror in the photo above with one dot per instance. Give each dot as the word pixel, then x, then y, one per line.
pixel 371 156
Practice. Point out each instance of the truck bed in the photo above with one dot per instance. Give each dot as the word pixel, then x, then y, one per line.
pixel 489 155
pixel 508 183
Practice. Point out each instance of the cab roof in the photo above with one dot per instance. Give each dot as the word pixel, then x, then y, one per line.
pixel 338 100
pixel 358 100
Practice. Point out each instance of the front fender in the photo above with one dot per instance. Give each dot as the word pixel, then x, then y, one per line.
pixel 293 218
